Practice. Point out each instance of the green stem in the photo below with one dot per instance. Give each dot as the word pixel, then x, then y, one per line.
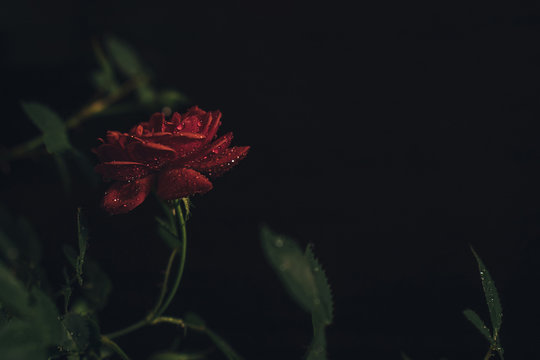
pixel 161 306
pixel 181 226
pixel 164 287
pixel 489 354
pixel 128 329
pixel 114 346
pixel 177 321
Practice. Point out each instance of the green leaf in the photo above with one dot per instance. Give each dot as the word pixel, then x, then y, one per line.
pixel 167 233
pixel 82 235
pixel 35 327
pixel 171 98
pixel 405 357
pixel 77 332
pixel 63 171
pixel 492 296
pixel 193 320
pixel 71 254
pixel 21 340
pixel 325 306
pixel 479 324
pixel 124 57
pixel 178 356
pixel 8 250
pixel 51 125
pixel 85 166
pixel 317 349
pixel 45 316
pixel 104 79
pixel 292 267
pixel 28 241
pixel 225 348
pixel 13 295
pixel 146 94
pixel 97 286
pixel 67 291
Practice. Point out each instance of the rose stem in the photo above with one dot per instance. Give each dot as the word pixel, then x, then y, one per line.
pixel 114 346
pixel 181 226
pixel 159 308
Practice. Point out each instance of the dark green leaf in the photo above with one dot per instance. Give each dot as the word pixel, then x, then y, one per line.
pixel 67 290
pixel 147 94
pixel 77 332
pixel 292 267
pixel 225 348
pixel 85 166
pixel 178 356
pixel 405 357
pixel 167 233
pixel 63 171
pixel 171 98
pixel 317 349
pixel 54 131
pixel 97 286
pixel 8 250
pixel 193 320
pixel 104 79
pixel 28 241
pixel 124 57
pixel 13 295
pixel 492 296
pixel 479 324
pixel 21 340
pixel 324 307
pixel 82 235
pixel 45 317
pixel 500 351
pixel 71 254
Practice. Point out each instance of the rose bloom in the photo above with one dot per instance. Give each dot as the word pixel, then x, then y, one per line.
pixel 174 155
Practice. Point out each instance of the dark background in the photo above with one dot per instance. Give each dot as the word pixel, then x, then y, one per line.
pixel 390 136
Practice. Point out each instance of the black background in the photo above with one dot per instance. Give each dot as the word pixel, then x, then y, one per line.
pixel 390 136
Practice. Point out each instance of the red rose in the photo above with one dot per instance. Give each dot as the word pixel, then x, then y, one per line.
pixel 172 154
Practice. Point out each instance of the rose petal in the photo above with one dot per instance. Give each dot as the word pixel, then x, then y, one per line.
pixel 216 164
pixel 183 146
pixel 123 197
pixel 116 137
pixel 156 122
pixel 111 152
pixel 221 144
pixel 212 126
pixel 180 182
pixel 151 154
pixel 122 170
pixel 216 147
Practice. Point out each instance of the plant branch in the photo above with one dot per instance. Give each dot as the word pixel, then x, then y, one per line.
pixel 153 313
pixel 181 226
pixel 489 354
pixel 95 107
pixel 161 305
pixel 114 346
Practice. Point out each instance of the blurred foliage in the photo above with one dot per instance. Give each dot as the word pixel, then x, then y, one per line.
pixel 494 307
pixel 305 281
